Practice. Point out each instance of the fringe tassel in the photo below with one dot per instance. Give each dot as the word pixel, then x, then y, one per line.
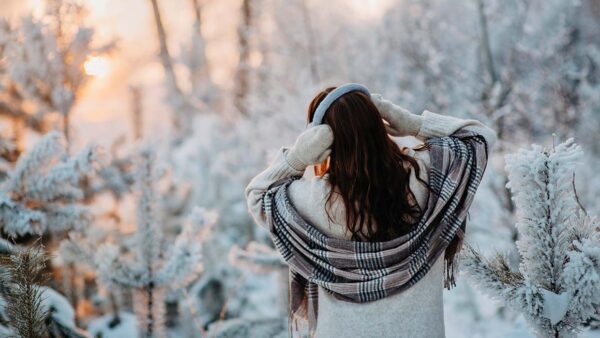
pixel 451 260
pixel 450 271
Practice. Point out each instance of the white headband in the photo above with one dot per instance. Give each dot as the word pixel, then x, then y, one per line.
pixel 331 97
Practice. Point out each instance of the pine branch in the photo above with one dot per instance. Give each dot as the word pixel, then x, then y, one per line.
pixel 493 273
pixel 44 190
pixel 23 274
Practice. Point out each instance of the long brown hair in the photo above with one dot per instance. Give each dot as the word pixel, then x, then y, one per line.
pixel 367 170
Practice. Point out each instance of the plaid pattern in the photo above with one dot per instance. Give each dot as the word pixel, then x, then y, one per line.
pixel 367 271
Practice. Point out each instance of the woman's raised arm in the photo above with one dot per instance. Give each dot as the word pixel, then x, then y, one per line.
pixel 311 147
pixel 427 125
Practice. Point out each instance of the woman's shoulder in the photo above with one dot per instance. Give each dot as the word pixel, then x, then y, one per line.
pixel 310 195
pixel 310 185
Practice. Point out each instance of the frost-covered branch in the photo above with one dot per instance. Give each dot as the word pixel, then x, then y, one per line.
pixel 115 176
pixel 183 262
pixel 540 181
pixel 43 191
pixel 557 285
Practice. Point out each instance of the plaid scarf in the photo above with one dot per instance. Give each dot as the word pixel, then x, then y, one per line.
pixel 367 271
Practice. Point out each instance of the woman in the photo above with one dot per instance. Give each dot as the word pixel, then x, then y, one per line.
pixel 370 190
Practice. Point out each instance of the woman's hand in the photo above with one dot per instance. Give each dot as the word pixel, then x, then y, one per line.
pixel 401 122
pixel 311 147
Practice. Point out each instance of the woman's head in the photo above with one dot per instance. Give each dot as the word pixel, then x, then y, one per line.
pixel 367 170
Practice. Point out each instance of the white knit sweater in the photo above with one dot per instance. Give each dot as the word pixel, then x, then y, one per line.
pixel 416 312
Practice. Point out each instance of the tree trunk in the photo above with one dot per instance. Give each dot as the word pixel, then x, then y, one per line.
pixel 200 73
pixel 485 44
pixel 66 123
pixel 180 106
pixel 311 44
pixel 136 110
pixel 243 72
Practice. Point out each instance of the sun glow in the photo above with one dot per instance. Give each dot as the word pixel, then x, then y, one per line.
pixel 371 9
pixel 97 66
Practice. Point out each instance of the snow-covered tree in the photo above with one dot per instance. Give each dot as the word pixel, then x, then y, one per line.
pixel 150 265
pixel 44 70
pixel 79 249
pixel 43 192
pixel 557 283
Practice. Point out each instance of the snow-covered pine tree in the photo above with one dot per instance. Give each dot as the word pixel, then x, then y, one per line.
pixel 557 284
pixel 150 265
pixel 43 192
pixel 43 71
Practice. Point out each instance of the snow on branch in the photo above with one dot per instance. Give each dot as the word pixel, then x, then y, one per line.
pixel 494 274
pixel 557 284
pixel 184 257
pixel 43 191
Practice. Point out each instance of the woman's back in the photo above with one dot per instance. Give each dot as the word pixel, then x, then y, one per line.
pixel 416 312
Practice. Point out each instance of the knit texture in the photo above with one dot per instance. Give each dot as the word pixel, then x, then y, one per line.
pixel 311 147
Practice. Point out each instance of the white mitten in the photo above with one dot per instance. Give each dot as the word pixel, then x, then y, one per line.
pixel 311 147
pixel 401 122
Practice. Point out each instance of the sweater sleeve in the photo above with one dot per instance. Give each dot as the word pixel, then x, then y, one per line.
pixel 436 125
pixel 428 124
pixel 279 169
